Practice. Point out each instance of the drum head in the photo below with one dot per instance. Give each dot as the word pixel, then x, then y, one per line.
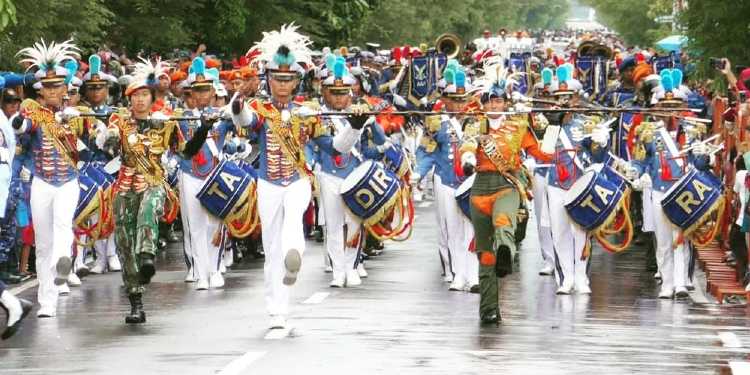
pixel 579 187
pixel 679 183
pixel 466 185
pixel 356 176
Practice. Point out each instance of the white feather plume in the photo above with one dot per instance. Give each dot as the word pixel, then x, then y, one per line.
pixel 145 68
pixel 496 73
pixel 44 57
pixel 298 44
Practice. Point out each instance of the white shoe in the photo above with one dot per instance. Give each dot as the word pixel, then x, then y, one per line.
pixel 222 268
pixel 277 322
pixel 189 278
pixel 681 292
pixel 63 289
pixel 457 285
pixel 448 278
pixel 99 267
pixel 201 285
pixel 329 269
pixel 216 280
pixel 46 312
pixel 292 265
pixel 114 263
pixel 362 271
pixel 13 307
pixel 657 276
pixel 583 288
pixel 338 282
pixel 666 293
pixel 689 285
pixel 747 288
pixel 565 288
pixel 352 278
pixel 73 280
pixel 546 270
pixel 228 259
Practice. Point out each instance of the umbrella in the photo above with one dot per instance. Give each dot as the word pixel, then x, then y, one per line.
pixel 672 43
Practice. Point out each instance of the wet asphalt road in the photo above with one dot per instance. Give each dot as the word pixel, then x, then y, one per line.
pixel 402 320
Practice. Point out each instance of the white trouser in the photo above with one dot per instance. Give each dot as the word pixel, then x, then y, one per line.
pixel 104 249
pixel 199 227
pixel 545 233
pixel 670 259
pixel 648 210
pixel 52 208
pixel 281 209
pixel 337 216
pixel 442 232
pixel 569 241
pixel 459 232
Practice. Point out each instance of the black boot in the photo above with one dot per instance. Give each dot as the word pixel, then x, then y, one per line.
pixel 503 262
pixel 147 269
pixel 491 318
pixel 137 315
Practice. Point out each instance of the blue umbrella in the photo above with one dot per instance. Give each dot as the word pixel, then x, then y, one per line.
pixel 672 43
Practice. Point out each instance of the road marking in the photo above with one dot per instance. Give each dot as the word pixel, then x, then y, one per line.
pixel 316 298
pixel 20 289
pixel 739 368
pixel 277 334
pixel 730 340
pixel 240 364
pixel 424 204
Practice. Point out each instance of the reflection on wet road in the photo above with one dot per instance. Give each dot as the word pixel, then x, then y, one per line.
pixel 402 320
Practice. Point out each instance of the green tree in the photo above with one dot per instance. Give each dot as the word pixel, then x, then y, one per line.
pixel 84 20
pixel 719 29
pixel 634 20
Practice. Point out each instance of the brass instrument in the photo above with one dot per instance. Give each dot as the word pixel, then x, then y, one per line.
pixel 449 45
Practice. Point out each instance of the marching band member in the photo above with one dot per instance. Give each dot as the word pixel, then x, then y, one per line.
pixel 658 165
pixel 96 90
pixel 199 226
pixel 572 154
pixel 454 230
pixel 497 191
pixel 284 191
pixel 54 189
pixel 142 140
pixel 343 234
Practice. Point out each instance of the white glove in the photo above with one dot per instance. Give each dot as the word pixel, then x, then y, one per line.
pixel 399 100
pixel 645 181
pixel 469 158
pixel 522 108
pixel 700 149
pixel 600 136
pixel 596 167
pixel 631 172
pixel 159 116
pixel 70 112
pixel 4 155
pixel 636 185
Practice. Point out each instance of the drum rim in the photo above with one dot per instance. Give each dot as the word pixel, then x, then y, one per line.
pixel 356 176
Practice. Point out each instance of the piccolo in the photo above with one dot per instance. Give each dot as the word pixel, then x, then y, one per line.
pixel 484 113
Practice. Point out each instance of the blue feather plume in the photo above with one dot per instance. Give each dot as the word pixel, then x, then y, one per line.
pixel 562 74
pixel 339 68
pixel 72 67
pixel 95 64
pixel 666 79
pixel 450 76
pixel 199 66
pixel 452 64
pixel 546 76
pixel 2 82
pixel 460 79
pixel 677 77
pixel 330 61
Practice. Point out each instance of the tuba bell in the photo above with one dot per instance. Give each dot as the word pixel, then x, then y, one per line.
pixel 449 45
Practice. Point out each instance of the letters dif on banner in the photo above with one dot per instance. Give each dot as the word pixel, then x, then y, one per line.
pixel 378 184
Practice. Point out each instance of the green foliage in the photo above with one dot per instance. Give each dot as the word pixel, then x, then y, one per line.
pixel 231 26
pixel 634 19
pixel 396 22
pixel 718 29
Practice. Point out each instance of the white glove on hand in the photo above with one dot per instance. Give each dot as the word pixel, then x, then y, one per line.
pixel 645 182
pixel 600 136
pixel 159 116
pixel 700 149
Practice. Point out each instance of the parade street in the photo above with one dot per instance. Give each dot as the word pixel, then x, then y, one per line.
pixel 402 320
